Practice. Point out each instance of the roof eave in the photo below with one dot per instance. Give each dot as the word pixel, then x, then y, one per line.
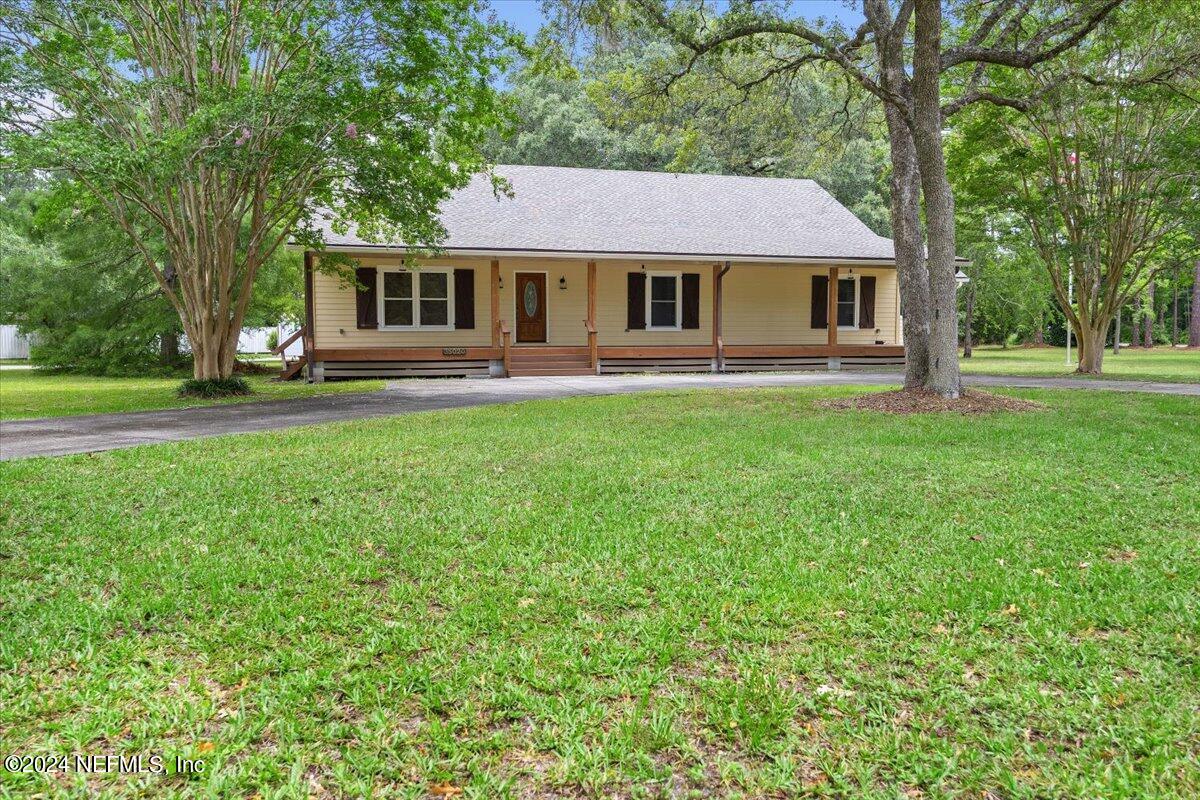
pixel 383 249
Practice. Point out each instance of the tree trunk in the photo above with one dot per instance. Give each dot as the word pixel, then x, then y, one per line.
pixel 968 339
pixel 1135 321
pixel 214 352
pixel 1175 306
pixel 168 349
pixel 1091 348
pixel 1117 332
pixel 1194 322
pixel 911 270
pixel 943 375
pixel 1148 317
pixel 1039 335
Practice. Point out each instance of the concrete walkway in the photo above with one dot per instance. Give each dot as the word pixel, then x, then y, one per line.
pixel 83 434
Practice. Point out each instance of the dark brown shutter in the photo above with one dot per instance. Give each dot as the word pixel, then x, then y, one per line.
pixel 866 302
pixel 820 301
pixel 691 300
pixel 464 298
pixel 637 301
pixel 364 296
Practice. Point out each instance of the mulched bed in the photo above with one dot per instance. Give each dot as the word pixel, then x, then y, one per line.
pixel 253 368
pixel 922 401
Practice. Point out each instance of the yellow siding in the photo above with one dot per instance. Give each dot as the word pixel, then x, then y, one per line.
pixel 771 304
pixel 335 315
pixel 566 309
pixel 764 304
pixel 612 305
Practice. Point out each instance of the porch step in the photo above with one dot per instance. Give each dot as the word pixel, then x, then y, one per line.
pixel 530 371
pixel 292 370
pixel 549 361
pixel 517 355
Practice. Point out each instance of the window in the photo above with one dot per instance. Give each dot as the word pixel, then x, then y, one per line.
pixel 847 303
pixel 662 301
pixel 416 299
pixel 397 299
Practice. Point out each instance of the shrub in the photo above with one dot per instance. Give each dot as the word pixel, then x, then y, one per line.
pixel 217 387
pixel 273 339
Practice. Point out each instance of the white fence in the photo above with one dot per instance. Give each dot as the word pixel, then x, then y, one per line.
pixel 12 343
pixel 253 340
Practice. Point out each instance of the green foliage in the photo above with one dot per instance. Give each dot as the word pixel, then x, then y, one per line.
pixel 209 134
pixel 607 110
pixel 214 387
pixel 76 284
pixel 1095 180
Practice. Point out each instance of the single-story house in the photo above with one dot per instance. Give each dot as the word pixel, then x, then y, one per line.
pixel 586 271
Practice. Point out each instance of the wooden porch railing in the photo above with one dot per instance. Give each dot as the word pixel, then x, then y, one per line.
pixel 280 350
pixel 593 352
pixel 506 343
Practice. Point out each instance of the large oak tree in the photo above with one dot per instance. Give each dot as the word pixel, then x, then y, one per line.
pixel 904 53
pixel 218 127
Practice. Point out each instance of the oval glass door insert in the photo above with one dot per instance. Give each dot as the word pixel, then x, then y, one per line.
pixel 531 298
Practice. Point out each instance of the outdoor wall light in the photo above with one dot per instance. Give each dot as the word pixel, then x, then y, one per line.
pixel 501 279
pixel 562 281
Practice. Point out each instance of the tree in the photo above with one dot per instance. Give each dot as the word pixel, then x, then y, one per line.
pixel 1100 171
pixel 74 282
pixel 1194 325
pixel 1010 287
pixel 969 44
pixel 598 108
pixel 220 128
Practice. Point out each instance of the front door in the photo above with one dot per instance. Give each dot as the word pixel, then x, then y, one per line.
pixel 531 306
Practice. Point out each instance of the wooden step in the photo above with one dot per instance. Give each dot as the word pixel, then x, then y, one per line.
pixel 292 370
pixel 551 360
pixel 548 351
pixel 525 372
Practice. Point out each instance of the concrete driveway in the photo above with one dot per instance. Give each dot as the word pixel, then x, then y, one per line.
pixel 83 434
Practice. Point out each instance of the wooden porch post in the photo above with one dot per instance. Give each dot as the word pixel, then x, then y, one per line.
pixel 495 290
pixel 315 374
pixel 593 351
pixel 831 312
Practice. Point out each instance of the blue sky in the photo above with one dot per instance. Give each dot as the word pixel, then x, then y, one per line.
pixel 526 15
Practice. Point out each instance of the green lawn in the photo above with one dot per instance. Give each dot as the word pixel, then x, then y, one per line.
pixel 32 393
pixel 1160 364
pixel 729 593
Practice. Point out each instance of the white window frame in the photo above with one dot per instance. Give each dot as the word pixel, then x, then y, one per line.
pixel 678 276
pixel 416 299
pixel 853 327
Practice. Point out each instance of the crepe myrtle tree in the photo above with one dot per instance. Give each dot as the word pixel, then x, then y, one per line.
pixel 1102 172
pixel 219 127
pixel 905 53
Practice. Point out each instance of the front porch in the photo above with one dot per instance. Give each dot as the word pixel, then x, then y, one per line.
pixel 592 318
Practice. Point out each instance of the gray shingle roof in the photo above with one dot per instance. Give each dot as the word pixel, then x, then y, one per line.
pixel 570 210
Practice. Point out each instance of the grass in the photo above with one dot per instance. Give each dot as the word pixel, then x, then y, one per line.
pixel 1172 365
pixel 720 593
pixel 32 393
